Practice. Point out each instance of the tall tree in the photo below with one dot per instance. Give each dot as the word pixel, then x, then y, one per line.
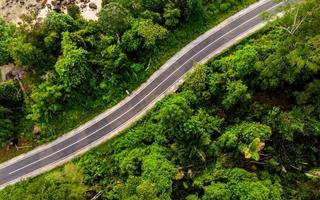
pixel 72 66
pixel 114 19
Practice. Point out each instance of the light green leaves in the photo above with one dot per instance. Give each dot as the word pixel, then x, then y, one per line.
pixel 72 67
pixel 151 32
pixel 252 151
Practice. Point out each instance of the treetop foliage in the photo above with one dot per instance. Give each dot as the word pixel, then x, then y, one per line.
pixel 243 126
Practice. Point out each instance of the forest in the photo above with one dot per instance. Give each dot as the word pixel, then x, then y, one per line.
pixel 66 59
pixel 243 126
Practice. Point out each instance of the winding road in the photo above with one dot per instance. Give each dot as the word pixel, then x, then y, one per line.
pixel 121 116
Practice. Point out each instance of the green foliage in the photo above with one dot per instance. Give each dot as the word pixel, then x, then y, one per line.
pixel 236 92
pixel 243 59
pixel 160 171
pixel 45 101
pixel 244 126
pixel 73 11
pixel 10 102
pixel 193 9
pixel 72 67
pixel 217 191
pixel 23 53
pixel 173 114
pixel 52 42
pixel 113 18
pixel 6 35
pixel 7 127
pixel 239 184
pixel 58 186
pixel 58 22
pixel 10 93
pixel 196 134
pixel 150 32
pixel 131 41
pixel 252 151
pixel 171 15
pixel 198 81
pixel 100 60
pixel 243 134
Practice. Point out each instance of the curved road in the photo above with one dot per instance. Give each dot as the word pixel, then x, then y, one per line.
pixel 66 148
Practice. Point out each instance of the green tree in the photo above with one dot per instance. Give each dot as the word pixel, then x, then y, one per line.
pixel 150 32
pixel 7 127
pixel 196 134
pixel 244 59
pixel 287 124
pixel 173 113
pixel 159 170
pixel 45 101
pixel 11 101
pixel 113 18
pixel 72 67
pixel 171 15
pixel 6 35
pixel 114 61
pixel 58 186
pixel 58 22
pixel 247 137
pixel 131 41
pixel 193 9
pixel 73 11
pixel 236 92
pixel 52 42
pixel 218 191
pixel 236 183
pixel 10 93
pixel 25 54
pixel 198 81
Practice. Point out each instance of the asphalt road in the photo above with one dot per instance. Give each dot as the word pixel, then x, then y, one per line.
pixel 27 165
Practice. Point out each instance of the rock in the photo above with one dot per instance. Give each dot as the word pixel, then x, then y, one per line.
pixel 54 3
pixel 82 6
pixel 39 7
pixel 14 142
pixel 93 6
pixel 57 8
pixel 49 6
pixel 36 129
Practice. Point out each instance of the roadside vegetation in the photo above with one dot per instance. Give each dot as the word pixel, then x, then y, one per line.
pixel 70 69
pixel 244 126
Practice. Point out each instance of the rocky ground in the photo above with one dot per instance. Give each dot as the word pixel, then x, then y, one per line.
pixel 11 10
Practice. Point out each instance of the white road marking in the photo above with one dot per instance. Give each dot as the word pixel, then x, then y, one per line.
pixel 144 97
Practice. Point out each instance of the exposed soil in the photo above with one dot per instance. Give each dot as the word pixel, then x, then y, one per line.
pixel 5 69
pixel 11 10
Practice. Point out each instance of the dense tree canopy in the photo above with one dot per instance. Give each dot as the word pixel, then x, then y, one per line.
pixel 243 126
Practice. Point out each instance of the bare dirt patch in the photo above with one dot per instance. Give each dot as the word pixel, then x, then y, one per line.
pixel 12 10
